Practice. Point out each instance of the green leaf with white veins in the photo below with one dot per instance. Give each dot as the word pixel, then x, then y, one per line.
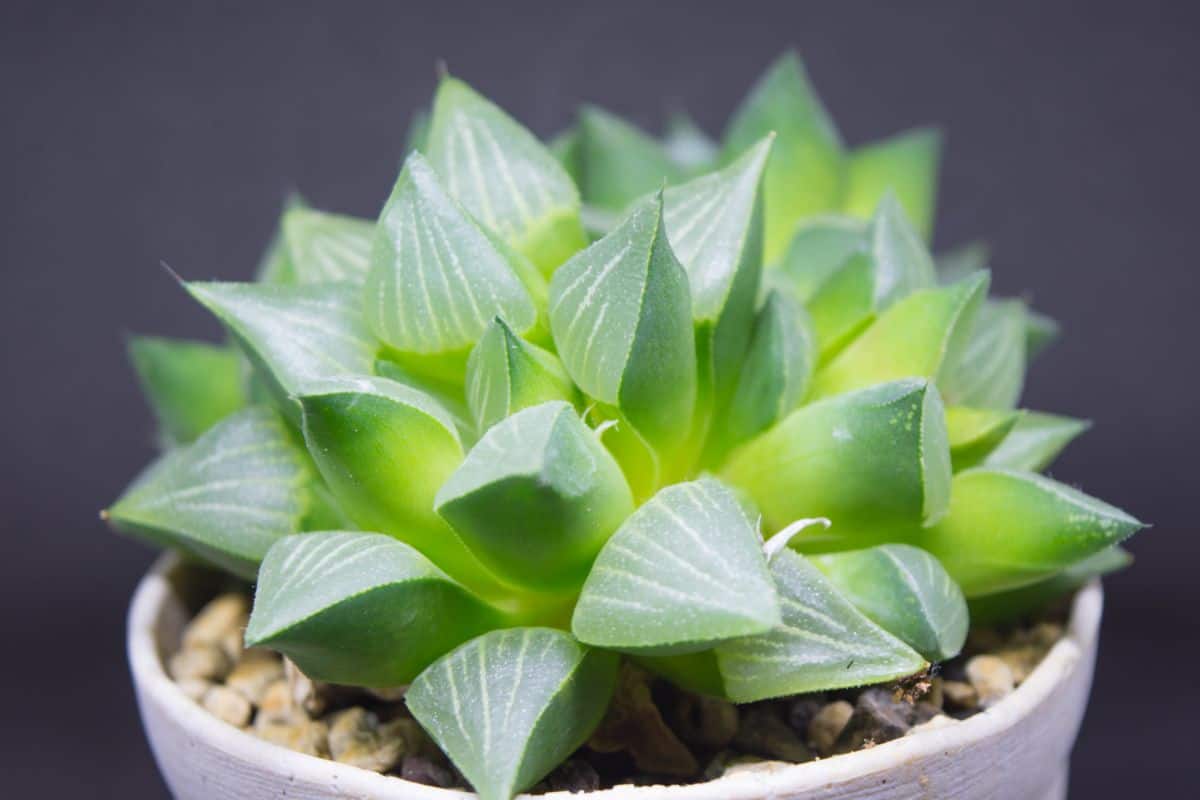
pixel 824 642
pixel 714 225
pixel 226 497
pixel 537 497
pixel 875 462
pixel 805 173
pixel 688 145
pixel 190 385
pixel 385 449
pixel 1006 529
pixel 505 374
pixel 618 162
pixel 684 573
pixel 294 335
pixel 906 592
pixel 621 316
pixel 990 372
pixel 436 280
pixel 1035 441
pixel 323 247
pixel 906 164
pixel 360 608
pixel 509 706
pixel 916 337
pixel 504 176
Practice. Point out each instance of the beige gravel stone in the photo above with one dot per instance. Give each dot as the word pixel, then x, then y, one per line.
pixel 252 676
pixel 277 705
pixel 357 738
pixel 229 706
pixel 200 661
pixel 303 735
pixel 224 614
pixel 960 695
pixel 992 678
pixel 828 724
pixel 195 688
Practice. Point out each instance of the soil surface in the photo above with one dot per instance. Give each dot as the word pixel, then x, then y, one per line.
pixel 654 733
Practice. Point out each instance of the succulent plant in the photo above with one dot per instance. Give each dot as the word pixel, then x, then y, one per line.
pixel 714 408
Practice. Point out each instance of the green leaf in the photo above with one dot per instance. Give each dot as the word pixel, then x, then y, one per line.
pixel 913 338
pixel 902 262
pixel 714 225
pixel 823 643
pixel 293 335
pixel 805 173
pixel 875 462
pixel 360 608
pixel 962 262
pixel 511 705
pixel 1035 441
pixel 990 371
pixel 906 164
pixel 317 247
pixel 436 280
pixel 621 316
pixel 1005 529
pixel 190 385
pixel 1002 607
pixel 775 373
pixel 685 143
pixel 505 374
pixel 504 176
pixel 565 148
pixel 906 592
pixel 448 395
pixel 417 136
pixel 844 305
pixel 537 497
pixel 224 498
pixel 820 246
pixel 1040 333
pixel 385 449
pixel 976 432
pixel 684 573
pixel 619 163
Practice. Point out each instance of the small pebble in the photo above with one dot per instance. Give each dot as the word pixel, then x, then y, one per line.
pixel 634 724
pixel 254 674
pixel 1021 660
pixel 277 704
pixel 393 694
pixel 991 677
pixel 828 725
pixel 229 706
pixel 878 717
pixel 203 661
pixel 356 738
pixel 234 644
pixel 959 694
pixel 708 723
pixel 303 735
pixel 224 614
pixel 573 775
pixel 934 696
pixel 422 769
pixel 764 733
pixel 1046 634
pixel 195 688
pixel 308 694
pixel 801 712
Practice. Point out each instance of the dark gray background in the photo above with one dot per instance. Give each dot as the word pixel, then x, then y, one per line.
pixel 138 132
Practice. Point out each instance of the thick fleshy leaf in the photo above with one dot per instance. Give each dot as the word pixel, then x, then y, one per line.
pixel 962 262
pixel 1006 529
pixel 325 248
pixel 805 173
pixel 505 374
pixel 619 163
pixel 448 395
pixel 905 591
pixel 823 643
pixel 775 372
pixel 509 706
pixel 436 279
pixel 684 573
pixel 820 246
pixel 504 176
pixel 417 136
pixel 385 449
pixel 906 164
pixel 976 432
pixel 190 385
pixel 294 335
pixel 360 608
pixel 621 316
pixel 844 305
pixel 565 148
pixel 913 338
pixel 226 497
pixel 1040 333
pixel 1001 607
pixel 875 462
pixel 1035 441
pixel 692 150
pixel 902 262
pixel 990 371
pixel 714 224
pixel 537 497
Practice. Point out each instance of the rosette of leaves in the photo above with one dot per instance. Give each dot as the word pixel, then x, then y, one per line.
pixel 747 431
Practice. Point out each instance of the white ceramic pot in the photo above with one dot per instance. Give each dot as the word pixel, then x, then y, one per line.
pixel 1017 750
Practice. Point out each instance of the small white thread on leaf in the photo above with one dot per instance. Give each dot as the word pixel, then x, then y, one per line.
pixel 603 426
pixel 781 539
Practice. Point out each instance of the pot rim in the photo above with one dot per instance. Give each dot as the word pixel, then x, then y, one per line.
pixel 146 665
